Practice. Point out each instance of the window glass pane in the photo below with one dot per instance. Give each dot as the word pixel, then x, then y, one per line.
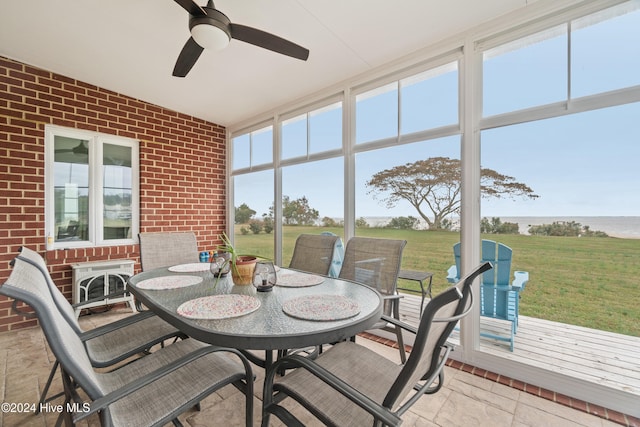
pixel 71 189
pixel 253 200
pixel 526 73
pixel 117 191
pixel 585 175
pixel 294 137
pixel 262 146
pixel 388 210
pixel 325 129
pixel 429 100
pixel 588 169
pixel 386 187
pixel 242 151
pixel 377 114
pixel 605 52
pixel 313 200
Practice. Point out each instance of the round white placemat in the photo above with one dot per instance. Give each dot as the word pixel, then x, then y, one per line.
pixel 169 282
pixel 219 306
pixel 321 307
pixel 193 267
pixel 298 280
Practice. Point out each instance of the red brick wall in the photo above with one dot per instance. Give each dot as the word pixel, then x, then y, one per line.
pixel 182 161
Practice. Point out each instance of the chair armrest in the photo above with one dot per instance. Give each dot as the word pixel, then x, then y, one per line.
pixel 295 361
pixel 110 327
pixel 21 312
pixel 520 280
pixel 400 324
pixel 452 274
pixel 103 402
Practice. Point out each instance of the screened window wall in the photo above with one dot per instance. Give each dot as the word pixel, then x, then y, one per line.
pixel 549 106
pixel 558 116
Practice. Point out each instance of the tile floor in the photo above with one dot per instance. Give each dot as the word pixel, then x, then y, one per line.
pixel 465 400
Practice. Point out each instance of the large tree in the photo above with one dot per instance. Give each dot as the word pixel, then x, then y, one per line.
pixel 243 214
pixel 298 212
pixel 432 187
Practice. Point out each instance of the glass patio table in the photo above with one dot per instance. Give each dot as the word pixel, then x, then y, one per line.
pixel 267 327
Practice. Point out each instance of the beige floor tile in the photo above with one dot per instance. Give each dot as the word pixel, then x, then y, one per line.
pixel 529 403
pixel 427 407
pixel 477 389
pixel 462 411
pixel 465 399
pixel 228 412
pixel 530 416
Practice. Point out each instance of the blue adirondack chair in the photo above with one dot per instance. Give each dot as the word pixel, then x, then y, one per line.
pixel 499 296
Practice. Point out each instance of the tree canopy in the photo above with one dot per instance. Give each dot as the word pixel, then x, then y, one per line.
pixel 432 187
pixel 298 212
pixel 244 214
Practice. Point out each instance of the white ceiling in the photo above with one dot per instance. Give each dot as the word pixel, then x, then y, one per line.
pixel 130 46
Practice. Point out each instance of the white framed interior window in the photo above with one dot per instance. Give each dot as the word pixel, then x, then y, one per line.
pixel 92 189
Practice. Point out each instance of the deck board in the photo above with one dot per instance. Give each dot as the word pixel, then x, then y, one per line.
pixel 592 355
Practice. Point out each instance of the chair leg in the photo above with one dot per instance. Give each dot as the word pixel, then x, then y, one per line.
pixel 43 396
pixel 400 339
pixel 396 315
pixel 69 390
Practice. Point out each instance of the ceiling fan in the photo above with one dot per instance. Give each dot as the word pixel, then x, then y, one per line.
pixel 211 29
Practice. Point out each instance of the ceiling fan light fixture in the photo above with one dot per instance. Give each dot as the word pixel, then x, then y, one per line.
pixel 212 29
pixel 209 36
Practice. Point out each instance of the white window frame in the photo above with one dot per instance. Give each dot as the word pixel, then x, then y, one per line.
pixel 96 206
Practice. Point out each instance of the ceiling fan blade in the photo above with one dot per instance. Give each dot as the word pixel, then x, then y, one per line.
pixel 192 7
pixel 187 58
pixel 268 41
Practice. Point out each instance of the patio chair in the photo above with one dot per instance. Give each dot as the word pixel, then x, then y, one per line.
pixel 109 344
pixel 376 262
pixel 499 298
pixel 166 249
pixel 147 392
pixel 161 249
pixel 352 385
pixel 313 253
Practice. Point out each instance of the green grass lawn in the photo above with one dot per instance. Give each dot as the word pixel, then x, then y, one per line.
pixel 586 281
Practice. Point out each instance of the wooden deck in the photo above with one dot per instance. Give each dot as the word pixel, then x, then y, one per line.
pixel 607 359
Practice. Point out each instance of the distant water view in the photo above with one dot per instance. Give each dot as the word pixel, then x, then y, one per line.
pixel 627 227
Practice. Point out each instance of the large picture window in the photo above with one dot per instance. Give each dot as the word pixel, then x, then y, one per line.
pixel 521 132
pixel 91 189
